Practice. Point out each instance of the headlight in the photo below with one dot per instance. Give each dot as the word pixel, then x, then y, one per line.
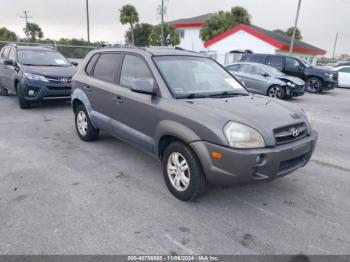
pixel 242 136
pixel 36 77
pixel 310 120
pixel 289 84
pixel 329 75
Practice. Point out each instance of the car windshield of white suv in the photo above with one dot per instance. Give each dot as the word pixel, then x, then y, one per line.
pixel 197 77
pixel 41 58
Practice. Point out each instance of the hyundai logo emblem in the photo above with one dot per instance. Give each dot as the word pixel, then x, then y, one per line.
pixel 295 132
pixel 64 80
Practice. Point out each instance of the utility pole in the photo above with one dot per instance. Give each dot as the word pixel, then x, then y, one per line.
pixel 162 23
pixel 26 17
pixel 335 44
pixel 88 21
pixel 295 28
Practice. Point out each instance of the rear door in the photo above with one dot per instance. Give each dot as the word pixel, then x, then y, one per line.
pixel 103 70
pixel 276 62
pixel 294 67
pixel 3 68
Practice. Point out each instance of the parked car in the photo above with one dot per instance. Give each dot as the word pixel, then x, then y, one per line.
pixel 188 112
pixel 344 76
pixel 266 80
pixel 317 79
pixel 35 74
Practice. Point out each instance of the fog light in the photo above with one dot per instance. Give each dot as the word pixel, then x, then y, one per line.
pixel 31 92
pixel 260 159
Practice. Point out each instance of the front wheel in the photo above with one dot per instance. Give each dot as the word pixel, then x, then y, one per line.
pixel 183 172
pixel 314 85
pixel 86 131
pixel 23 103
pixel 276 91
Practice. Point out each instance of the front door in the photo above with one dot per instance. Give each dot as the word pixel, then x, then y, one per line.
pixel 294 67
pixel 344 77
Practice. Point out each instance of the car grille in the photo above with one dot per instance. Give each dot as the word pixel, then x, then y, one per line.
pixel 59 80
pixel 59 87
pixel 290 133
pixel 292 163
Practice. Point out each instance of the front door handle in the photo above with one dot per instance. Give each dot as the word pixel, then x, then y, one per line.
pixel 117 100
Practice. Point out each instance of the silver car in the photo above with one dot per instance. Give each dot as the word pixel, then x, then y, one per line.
pixel 266 80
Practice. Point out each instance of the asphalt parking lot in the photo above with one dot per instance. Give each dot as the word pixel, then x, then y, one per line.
pixel 59 195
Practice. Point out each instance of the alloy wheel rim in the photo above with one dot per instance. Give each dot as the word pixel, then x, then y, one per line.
pixel 178 171
pixel 275 91
pixel 82 123
pixel 313 85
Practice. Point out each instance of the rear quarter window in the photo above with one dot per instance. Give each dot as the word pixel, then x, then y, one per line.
pixel 90 66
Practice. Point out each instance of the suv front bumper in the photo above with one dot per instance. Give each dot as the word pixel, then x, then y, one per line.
pixel 241 166
pixel 329 84
pixel 46 91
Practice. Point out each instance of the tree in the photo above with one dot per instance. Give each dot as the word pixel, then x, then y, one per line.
pixel 33 31
pixel 129 15
pixel 7 35
pixel 223 21
pixel 289 33
pixel 170 35
pixel 142 34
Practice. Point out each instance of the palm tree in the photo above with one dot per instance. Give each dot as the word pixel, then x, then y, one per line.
pixel 129 15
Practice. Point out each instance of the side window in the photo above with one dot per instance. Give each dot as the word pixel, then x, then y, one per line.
pixel 256 71
pixel 134 69
pixel 275 61
pixel 234 68
pixel 246 69
pixel 345 70
pixel 90 65
pixel 292 62
pixel 12 54
pixel 5 52
pixel 107 67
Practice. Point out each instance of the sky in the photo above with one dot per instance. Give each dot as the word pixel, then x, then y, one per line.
pixel 319 20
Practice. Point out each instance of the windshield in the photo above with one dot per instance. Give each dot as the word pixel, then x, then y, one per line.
pixel 41 58
pixel 271 71
pixel 188 76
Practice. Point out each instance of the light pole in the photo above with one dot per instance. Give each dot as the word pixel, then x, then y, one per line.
pixel 295 28
pixel 162 23
pixel 87 21
pixel 335 44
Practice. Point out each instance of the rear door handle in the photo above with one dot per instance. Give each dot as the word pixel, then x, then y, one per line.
pixel 117 100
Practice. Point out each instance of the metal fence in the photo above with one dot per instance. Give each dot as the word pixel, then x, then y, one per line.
pixel 70 51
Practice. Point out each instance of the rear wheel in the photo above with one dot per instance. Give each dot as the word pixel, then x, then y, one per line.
pixel 23 103
pixel 276 91
pixel 83 125
pixel 3 91
pixel 183 172
pixel 314 85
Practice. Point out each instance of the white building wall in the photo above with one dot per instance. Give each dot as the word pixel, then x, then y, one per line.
pixel 241 40
pixel 192 40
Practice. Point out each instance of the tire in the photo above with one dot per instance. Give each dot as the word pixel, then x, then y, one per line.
pixel 276 91
pixel 191 182
pixel 313 85
pixel 3 91
pixel 83 125
pixel 23 103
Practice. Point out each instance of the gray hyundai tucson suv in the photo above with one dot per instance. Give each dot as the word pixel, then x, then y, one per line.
pixel 188 112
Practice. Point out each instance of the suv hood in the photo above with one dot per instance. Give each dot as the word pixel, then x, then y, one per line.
pixel 53 71
pixel 320 69
pixel 261 113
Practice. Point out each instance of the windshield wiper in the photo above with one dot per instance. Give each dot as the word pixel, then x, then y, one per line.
pixel 193 96
pixel 226 94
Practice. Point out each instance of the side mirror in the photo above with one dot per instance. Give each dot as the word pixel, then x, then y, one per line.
pixel 8 62
pixel 265 75
pixel 144 87
pixel 74 63
pixel 301 68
